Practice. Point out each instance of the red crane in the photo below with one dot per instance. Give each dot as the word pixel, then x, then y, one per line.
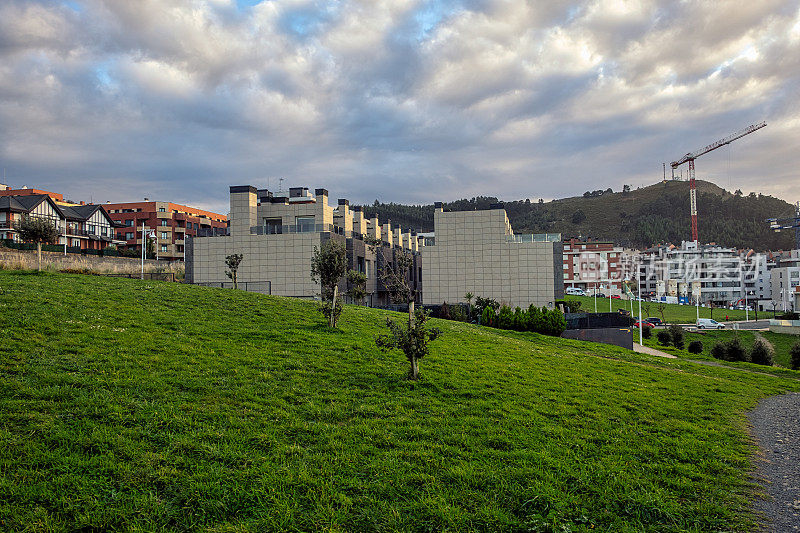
pixel 690 157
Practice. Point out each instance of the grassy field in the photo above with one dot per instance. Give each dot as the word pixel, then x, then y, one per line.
pixel 780 342
pixel 673 313
pixel 128 405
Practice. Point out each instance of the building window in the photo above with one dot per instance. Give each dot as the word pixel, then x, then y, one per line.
pixel 165 235
pixel 129 236
pixel 129 222
pixel 165 222
pixel 305 224
pixel 162 210
pixel 163 247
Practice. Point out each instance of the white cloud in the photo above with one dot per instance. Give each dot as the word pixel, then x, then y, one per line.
pixel 407 101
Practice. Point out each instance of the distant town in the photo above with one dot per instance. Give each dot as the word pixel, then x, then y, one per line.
pixel 475 252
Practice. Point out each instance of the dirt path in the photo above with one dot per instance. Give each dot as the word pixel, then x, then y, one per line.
pixel 776 428
pixel 638 348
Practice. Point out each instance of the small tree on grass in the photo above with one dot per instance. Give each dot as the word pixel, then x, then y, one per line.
pixel 676 334
pixel 356 286
pixel 468 297
pixel 412 340
pixel 695 347
pixel 38 230
pixel 647 332
pixel 761 353
pixel 719 351
pixel 735 351
pixel 232 262
pixel 795 356
pixel 664 338
pixel 328 265
pixel 661 307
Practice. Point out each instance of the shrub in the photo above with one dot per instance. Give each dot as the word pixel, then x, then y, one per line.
pixel 719 351
pixel 676 336
pixel 458 313
pixel 444 311
pixel 535 319
pixel 411 339
pixel 735 351
pixel 556 323
pixel 519 320
pixel 488 317
pixel 795 356
pixel 647 332
pixel 761 353
pixel 695 347
pixel 505 319
pixel 664 338
pixel 482 303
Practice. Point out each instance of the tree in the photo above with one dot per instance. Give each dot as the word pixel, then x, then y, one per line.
pixel 761 353
pixel 396 277
pixel 328 265
pixel 578 217
pixel 232 262
pixel 795 356
pixel 626 189
pixel 356 285
pixel 661 307
pixel 411 340
pixel 38 230
pixel 468 297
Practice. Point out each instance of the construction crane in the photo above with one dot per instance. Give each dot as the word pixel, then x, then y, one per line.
pixel 777 224
pixel 690 157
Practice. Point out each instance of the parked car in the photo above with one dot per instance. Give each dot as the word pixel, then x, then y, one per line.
pixel 644 323
pixel 575 291
pixel 615 296
pixel 654 321
pixel 709 323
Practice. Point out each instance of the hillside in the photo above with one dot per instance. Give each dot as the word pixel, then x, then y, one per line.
pixel 639 218
pixel 155 406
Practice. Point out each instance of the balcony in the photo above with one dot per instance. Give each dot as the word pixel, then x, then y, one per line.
pixel 180 241
pixel 163 214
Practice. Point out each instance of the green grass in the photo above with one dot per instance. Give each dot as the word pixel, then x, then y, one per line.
pixel 782 343
pixel 128 405
pixel 673 313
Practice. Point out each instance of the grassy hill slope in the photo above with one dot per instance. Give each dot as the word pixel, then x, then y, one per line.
pixel 136 405
pixel 655 214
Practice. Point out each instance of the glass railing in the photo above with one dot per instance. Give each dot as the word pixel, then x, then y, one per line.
pixel 534 237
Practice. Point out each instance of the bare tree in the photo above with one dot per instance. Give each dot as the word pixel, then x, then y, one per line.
pixel 232 262
pixel 38 230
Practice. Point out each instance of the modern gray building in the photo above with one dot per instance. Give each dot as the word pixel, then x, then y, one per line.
pixel 478 252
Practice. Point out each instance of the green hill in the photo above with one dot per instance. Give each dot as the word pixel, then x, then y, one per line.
pixel 128 405
pixel 638 218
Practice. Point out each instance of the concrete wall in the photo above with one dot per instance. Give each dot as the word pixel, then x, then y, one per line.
pixel 24 259
pixel 284 260
pixel 472 254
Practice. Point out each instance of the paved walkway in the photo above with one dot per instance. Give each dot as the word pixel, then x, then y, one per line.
pixel 638 348
pixel 776 428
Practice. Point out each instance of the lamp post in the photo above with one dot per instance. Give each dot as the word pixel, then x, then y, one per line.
pixel 746 308
pixel 595 296
pixel 144 245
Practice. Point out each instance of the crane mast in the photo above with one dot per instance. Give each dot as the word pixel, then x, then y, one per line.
pixel 691 156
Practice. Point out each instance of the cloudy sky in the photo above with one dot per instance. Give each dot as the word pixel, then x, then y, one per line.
pixel 399 100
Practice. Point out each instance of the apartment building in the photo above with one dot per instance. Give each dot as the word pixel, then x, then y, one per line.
pixel 81 226
pixel 785 281
pixel 691 272
pixel 478 252
pixel 170 222
pixel 277 236
pixel 590 264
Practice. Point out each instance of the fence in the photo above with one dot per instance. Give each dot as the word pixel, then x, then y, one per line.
pixel 105 252
pixel 262 287
pixel 159 276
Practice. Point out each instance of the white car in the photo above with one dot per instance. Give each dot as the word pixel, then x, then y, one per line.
pixel 709 323
pixel 574 291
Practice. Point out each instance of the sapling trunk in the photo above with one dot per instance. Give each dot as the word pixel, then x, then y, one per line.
pixel 414 368
pixel 39 255
pixel 333 306
pixel 410 314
